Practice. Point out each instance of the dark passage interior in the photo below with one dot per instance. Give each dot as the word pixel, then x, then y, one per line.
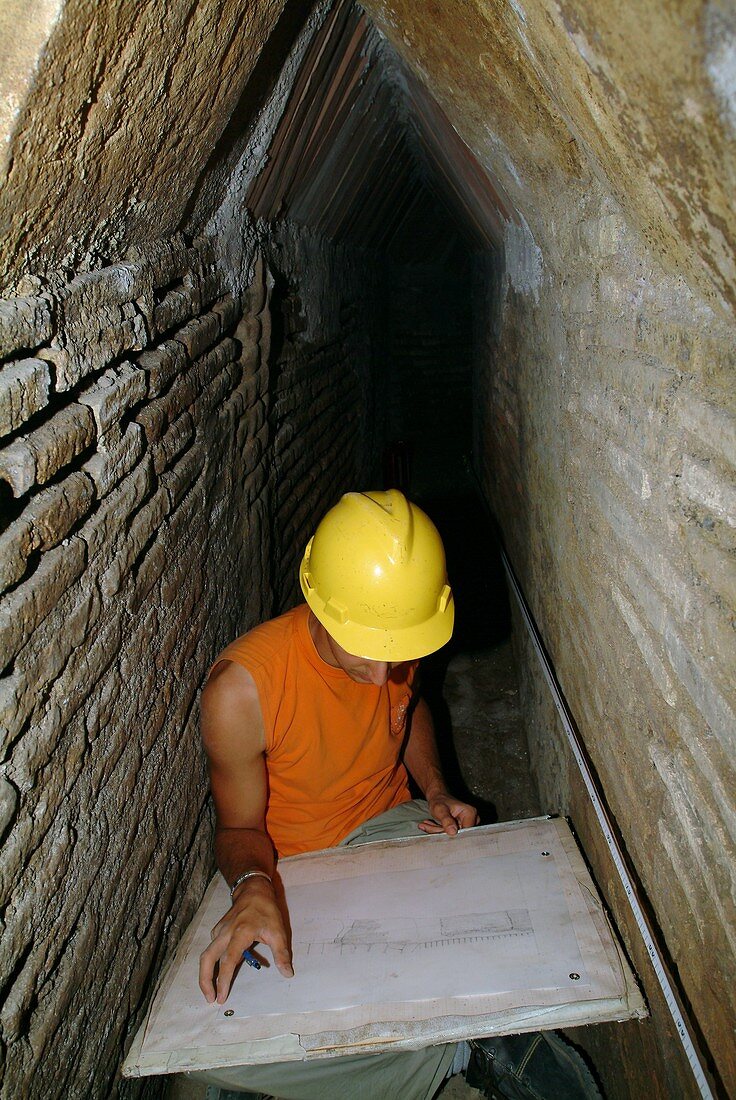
pixel 257 253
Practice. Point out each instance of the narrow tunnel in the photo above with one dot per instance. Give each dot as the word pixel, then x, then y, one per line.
pixel 257 254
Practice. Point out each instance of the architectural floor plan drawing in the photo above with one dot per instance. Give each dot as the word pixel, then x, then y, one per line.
pixel 391 939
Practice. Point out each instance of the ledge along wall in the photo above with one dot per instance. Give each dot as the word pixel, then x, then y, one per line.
pixel 605 443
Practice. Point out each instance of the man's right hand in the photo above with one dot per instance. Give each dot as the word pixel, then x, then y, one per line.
pixel 253 917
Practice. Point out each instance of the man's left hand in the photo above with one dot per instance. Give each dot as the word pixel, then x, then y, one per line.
pixel 449 815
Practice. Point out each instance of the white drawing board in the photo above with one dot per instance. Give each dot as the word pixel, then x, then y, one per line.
pixel 403 943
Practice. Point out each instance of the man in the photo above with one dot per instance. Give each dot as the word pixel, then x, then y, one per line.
pixel 311 727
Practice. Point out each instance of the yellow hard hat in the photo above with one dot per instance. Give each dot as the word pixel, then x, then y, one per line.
pixel 374 575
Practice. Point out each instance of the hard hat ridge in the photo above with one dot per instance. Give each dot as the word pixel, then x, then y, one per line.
pixel 390 513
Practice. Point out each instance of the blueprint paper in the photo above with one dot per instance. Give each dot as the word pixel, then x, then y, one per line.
pixel 495 920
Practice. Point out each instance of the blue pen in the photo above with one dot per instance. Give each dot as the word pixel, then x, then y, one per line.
pixel 251 960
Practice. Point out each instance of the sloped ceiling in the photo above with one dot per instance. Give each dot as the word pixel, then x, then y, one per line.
pixel 548 93
pixel 131 114
pixel 362 148
pixel 109 138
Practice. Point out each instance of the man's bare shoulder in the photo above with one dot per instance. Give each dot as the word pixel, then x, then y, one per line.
pixel 230 681
pixel 231 709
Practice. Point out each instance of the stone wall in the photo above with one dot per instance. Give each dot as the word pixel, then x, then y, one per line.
pixel 637 95
pixel 117 537
pixel 607 444
pixel 148 471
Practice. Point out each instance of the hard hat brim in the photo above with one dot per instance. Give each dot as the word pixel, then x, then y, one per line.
pixel 407 643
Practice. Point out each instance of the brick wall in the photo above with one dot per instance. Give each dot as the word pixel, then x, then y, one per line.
pixel 150 465
pixel 607 444
pixel 328 426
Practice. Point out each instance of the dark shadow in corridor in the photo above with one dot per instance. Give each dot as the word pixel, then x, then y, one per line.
pixel 471 684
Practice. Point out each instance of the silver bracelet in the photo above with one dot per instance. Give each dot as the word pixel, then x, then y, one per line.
pixel 247 874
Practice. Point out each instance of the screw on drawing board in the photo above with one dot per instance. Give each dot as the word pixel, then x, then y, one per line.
pixel 545 853
pixel 229 1012
pixel 575 977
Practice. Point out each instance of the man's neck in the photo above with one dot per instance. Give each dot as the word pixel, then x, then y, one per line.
pixel 321 640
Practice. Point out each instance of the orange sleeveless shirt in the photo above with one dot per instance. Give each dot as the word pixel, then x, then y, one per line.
pixel 332 745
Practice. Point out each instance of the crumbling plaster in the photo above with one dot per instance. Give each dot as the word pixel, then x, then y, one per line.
pixel 24 31
pixel 221 206
pixel 548 94
pixel 113 136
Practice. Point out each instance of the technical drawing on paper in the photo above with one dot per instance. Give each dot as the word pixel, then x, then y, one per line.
pixel 404 935
pixel 371 930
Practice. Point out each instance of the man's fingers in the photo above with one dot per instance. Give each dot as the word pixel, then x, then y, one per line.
pixel 430 827
pixel 280 951
pixel 207 962
pixel 225 958
pixel 450 815
pixel 466 816
pixel 228 962
pixel 443 816
pixel 225 955
pixel 448 823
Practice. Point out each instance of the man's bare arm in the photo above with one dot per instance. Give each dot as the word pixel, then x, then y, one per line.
pixel 232 731
pixel 423 763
